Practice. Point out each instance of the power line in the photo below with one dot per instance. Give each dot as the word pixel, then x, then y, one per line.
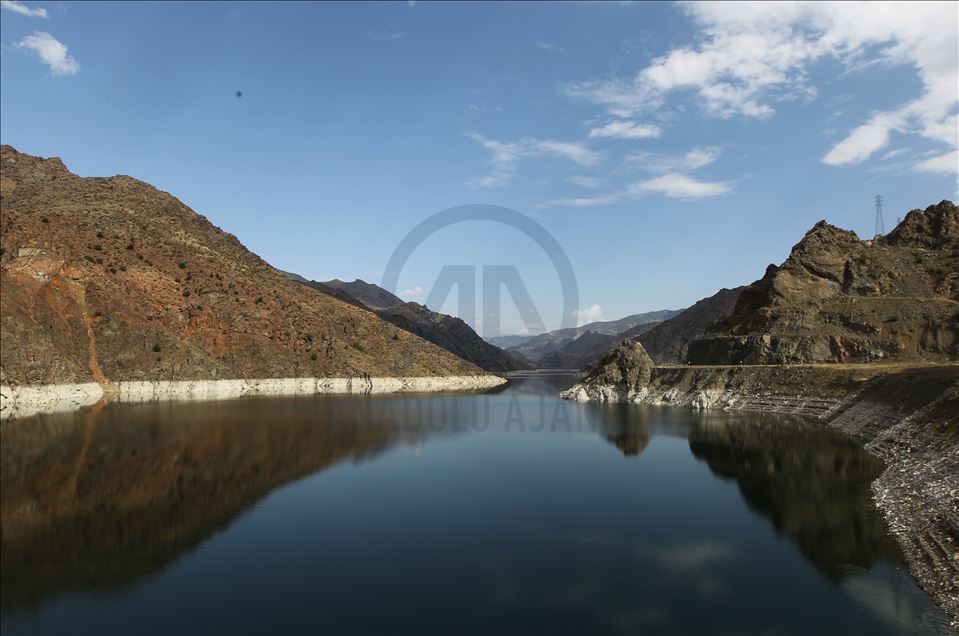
pixel 880 226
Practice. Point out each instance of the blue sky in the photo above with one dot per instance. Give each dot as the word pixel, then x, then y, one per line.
pixel 670 149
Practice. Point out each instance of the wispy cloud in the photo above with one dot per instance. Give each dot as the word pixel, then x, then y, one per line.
pixel 626 130
pixel 22 9
pixel 412 291
pixel 680 186
pixel 51 52
pixel 587 202
pixel 947 163
pixel 749 56
pixel 506 156
pixel 386 37
pixel 671 181
pixel 548 46
pixel 692 160
pixel 585 182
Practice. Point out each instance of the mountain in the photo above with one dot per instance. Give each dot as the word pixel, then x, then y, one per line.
pixel 443 330
pixel 110 279
pixel 589 348
pixel 373 296
pixel 667 342
pixel 538 347
pixel 584 351
pixel 840 299
pixel 508 342
pixel 452 334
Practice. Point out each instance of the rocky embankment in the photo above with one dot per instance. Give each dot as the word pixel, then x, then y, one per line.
pixel 907 415
pixel 24 401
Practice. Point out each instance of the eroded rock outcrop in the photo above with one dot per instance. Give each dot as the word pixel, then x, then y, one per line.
pixel 840 299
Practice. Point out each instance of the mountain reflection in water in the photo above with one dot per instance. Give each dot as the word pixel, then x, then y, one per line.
pixel 504 511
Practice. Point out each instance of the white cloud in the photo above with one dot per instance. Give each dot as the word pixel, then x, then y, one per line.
pixel 22 9
pixel 680 186
pixel 575 152
pixel 412 291
pixel 751 55
pixel 947 163
pixel 591 314
pixel 671 182
pixel 506 156
pixel 548 46
pixel 894 153
pixel 586 202
pixel 386 37
pixel 692 160
pixel 52 52
pixel 862 142
pixel 585 182
pixel 626 130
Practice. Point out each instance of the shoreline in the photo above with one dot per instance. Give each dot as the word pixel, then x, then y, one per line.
pixel 29 400
pixel 907 417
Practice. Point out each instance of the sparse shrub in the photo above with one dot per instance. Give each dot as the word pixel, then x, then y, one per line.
pixel 113 270
pixel 99 261
pixel 156 348
pixel 98 247
pixel 186 293
pixel 182 264
pixel 313 356
pixel 358 346
pixel 123 268
pixel 130 247
pixel 44 220
pixel 99 234
pixel 90 258
pixel 140 256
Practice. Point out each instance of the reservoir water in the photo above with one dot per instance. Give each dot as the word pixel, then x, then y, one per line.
pixel 509 512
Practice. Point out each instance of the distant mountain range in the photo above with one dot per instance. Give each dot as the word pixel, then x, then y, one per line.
pixel 536 348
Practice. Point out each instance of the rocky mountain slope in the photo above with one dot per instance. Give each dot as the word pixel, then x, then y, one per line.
pixel 452 334
pixel 840 299
pixel 373 296
pixel 668 341
pixel 109 279
pixel 448 332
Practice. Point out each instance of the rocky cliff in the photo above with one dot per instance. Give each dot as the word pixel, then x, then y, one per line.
pixel 840 299
pixel 110 279
pixel 668 341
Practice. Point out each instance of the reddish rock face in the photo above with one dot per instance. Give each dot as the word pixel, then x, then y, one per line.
pixel 839 299
pixel 110 277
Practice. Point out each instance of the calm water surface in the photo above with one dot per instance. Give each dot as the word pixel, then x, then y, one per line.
pixel 512 512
